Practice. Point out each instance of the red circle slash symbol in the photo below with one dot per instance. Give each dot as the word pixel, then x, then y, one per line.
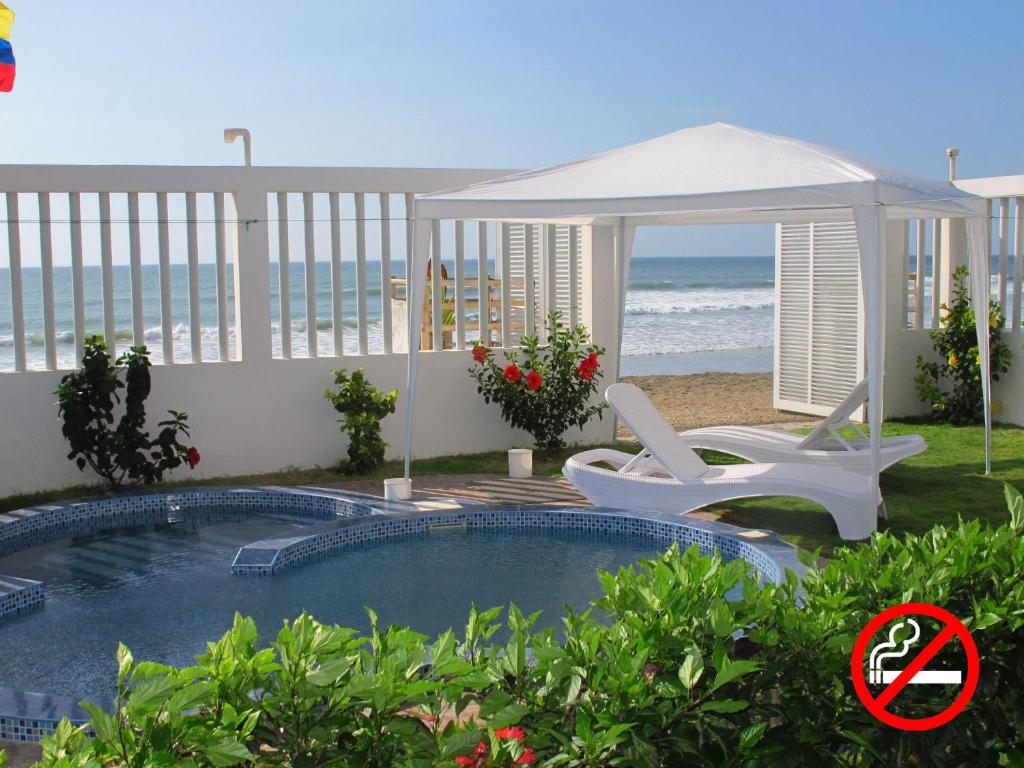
pixel 951 627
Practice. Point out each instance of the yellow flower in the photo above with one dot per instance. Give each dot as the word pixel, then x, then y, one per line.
pixel 952 361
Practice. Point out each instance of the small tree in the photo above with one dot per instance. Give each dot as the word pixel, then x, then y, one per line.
pixel 952 386
pixel 363 407
pixel 125 455
pixel 543 390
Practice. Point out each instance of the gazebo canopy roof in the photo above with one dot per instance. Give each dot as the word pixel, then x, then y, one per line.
pixel 716 173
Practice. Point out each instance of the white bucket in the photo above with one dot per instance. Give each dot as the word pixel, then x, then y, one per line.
pixel 520 462
pixel 397 489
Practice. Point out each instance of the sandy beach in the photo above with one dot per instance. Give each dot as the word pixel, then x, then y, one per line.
pixel 707 399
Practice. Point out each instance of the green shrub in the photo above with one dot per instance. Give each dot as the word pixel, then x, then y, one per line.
pixel 363 407
pixel 952 386
pixel 123 455
pixel 543 390
pixel 673 674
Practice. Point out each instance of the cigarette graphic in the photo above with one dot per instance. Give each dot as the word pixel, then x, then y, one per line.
pixel 879 676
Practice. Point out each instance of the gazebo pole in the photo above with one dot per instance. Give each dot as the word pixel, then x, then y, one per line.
pixel 623 249
pixel 415 286
pixel 870 221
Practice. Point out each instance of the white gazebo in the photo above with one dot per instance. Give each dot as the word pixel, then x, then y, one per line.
pixel 719 174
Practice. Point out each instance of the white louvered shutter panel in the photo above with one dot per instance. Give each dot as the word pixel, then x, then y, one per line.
pixel 818 317
pixel 568 274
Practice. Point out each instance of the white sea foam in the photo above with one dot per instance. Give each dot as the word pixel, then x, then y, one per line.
pixel 707 300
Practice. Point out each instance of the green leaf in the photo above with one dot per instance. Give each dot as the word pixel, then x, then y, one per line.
pixel 733 670
pixel 723 706
pixel 225 752
pixel 462 742
pixel 691 670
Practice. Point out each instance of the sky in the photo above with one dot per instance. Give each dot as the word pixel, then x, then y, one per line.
pixel 512 84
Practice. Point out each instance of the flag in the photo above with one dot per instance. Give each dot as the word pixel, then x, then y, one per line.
pixel 6 52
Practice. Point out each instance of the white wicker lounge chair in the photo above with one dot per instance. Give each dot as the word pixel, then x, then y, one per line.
pixel 825 446
pixel 669 477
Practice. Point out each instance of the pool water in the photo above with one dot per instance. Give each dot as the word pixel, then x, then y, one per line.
pixel 164 591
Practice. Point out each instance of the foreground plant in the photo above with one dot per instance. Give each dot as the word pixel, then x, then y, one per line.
pixel 124 455
pixel 952 386
pixel 363 407
pixel 543 390
pixel 673 674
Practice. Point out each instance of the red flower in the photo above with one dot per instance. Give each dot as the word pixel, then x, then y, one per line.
pixel 512 732
pixel 584 372
pixel 512 373
pixel 469 762
pixel 592 361
pixel 480 353
pixel 533 381
pixel 192 457
pixel 526 758
pixel 481 748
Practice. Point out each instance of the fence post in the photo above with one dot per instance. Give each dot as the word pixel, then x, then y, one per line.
pixel 252 276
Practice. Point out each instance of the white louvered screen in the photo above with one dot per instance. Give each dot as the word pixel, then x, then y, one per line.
pixel 818 317
pixel 567 272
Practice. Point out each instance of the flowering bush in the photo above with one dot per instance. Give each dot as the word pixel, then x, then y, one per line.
pixel 543 390
pixel 123 455
pixel 507 747
pixel 364 407
pixel 952 386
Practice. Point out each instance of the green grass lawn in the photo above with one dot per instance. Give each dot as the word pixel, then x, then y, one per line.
pixel 945 481
pixel 934 487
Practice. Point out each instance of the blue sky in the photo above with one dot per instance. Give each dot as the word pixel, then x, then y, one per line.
pixel 515 84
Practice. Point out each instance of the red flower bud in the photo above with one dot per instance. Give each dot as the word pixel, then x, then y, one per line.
pixel 480 353
pixel 526 758
pixel 512 373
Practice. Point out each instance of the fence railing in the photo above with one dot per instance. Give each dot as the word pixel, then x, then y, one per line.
pixel 214 264
pixel 928 269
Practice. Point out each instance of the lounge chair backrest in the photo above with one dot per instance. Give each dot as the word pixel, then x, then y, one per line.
pixel 643 419
pixel 839 418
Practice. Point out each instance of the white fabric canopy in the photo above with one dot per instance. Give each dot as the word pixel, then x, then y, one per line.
pixel 715 174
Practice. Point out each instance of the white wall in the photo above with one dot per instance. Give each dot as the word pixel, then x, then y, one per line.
pixel 247 420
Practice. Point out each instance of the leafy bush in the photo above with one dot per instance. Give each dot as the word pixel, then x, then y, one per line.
pixel 543 390
pixel 123 455
pixel 673 675
pixel 952 386
pixel 364 407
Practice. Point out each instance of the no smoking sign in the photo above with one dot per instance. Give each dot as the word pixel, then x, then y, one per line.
pixel 951 685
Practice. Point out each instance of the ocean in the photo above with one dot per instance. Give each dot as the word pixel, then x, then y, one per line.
pixel 683 315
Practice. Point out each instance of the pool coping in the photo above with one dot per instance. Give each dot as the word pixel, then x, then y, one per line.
pixel 348 518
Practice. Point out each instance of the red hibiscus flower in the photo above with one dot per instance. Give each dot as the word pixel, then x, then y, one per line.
pixel 526 758
pixel 469 762
pixel 480 353
pixel 592 361
pixel 512 732
pixel 533 381
pixel 481 748
pixel 512 373
pixel 192 457
pixel 584 372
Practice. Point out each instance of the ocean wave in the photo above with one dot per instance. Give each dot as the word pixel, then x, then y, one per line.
pixel 688 302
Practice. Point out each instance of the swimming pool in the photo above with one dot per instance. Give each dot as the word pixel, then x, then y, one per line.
pixel 162 574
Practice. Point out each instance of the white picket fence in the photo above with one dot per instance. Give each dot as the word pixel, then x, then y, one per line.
pixel 930 263
pixel 187 260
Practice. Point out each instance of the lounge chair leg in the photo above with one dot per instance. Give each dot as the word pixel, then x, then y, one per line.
pixel 883 513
